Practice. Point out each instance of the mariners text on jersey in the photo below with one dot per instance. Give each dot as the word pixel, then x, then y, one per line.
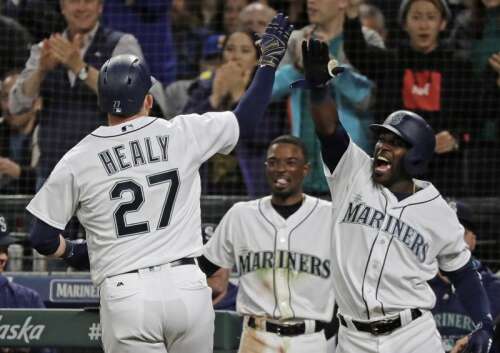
pixel 136 153
pixel 363 214
pixel 253 261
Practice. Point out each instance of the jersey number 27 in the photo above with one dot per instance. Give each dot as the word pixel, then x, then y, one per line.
pixel 122 228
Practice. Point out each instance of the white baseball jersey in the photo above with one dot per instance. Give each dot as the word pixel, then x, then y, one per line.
pixel 386 250
pixel 135 188
pixel 284 264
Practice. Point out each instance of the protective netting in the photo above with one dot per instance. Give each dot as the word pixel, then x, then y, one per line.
pixel 443 65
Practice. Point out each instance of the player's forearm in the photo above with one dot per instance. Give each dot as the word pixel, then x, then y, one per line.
pixel 324 111
pixel 254 102
pixel 61 249
pixel 48 241
pixel 31 86
pixel 219 282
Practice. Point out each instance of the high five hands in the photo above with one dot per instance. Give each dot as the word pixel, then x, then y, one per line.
pixel 319 69
pixel 274 41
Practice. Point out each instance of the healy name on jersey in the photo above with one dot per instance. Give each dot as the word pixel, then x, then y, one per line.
pixel 134 153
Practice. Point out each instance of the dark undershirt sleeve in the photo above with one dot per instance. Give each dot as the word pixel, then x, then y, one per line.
pixel 208 267
pixel 254 102
pixel 467 282
pixel 44 238
pixel 333 147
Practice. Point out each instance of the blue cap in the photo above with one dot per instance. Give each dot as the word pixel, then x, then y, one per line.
pixel 5 238
pixel 212 46
pixel 465 214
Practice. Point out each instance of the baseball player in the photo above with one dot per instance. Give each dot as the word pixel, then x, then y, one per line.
pixel 281 247
pixel 135 187
pixel 391 231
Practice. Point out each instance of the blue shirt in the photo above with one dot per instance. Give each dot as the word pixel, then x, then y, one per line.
pixel 13 295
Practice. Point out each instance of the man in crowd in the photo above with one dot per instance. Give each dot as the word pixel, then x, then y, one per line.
pixel 13 295
pixel 63 70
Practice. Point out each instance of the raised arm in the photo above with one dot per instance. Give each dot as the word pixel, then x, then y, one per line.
pixel 318 70
pixel 254 102
pixel 27 87
pixel 366 58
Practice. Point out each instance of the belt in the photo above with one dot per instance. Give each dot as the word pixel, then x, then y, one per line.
pixel 286 329
pixel 380 327
pixel 180 262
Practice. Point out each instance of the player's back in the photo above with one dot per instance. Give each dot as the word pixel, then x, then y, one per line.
pixel 138 188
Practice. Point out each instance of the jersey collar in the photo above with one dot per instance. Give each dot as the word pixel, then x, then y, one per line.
pixel 426 193
pixel 123 128
pixel 296 218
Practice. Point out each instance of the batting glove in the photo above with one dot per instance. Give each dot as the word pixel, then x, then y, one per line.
pixel 76 254
pixel 318 67
pixel 480 339
pixel 274 41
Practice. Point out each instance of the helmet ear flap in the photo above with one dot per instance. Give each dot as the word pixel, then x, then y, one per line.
pixel 415 165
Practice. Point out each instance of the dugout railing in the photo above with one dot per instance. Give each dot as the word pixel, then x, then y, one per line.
pixel 70 328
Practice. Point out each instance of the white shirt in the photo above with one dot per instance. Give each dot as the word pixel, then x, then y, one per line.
pixel 135 188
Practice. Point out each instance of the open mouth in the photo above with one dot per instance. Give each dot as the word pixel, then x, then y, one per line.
pixel 382 165
pixel 423 37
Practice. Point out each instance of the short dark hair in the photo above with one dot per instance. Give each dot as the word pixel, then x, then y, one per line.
pixel 292 140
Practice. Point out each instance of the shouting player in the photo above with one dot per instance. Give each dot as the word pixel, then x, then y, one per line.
pixel 391 231
pixel 281 246
pixel 135 187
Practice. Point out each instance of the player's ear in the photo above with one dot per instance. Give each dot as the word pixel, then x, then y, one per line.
pixel 307 168
pixel 148 102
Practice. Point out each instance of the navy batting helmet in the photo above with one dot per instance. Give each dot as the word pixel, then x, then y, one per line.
pixel 124 81
pixel 415 131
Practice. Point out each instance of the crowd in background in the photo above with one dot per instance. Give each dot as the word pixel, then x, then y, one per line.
pixel 441 60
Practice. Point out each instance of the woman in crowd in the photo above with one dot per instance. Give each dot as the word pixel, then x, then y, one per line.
pixel 221 90
pixel 423 76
